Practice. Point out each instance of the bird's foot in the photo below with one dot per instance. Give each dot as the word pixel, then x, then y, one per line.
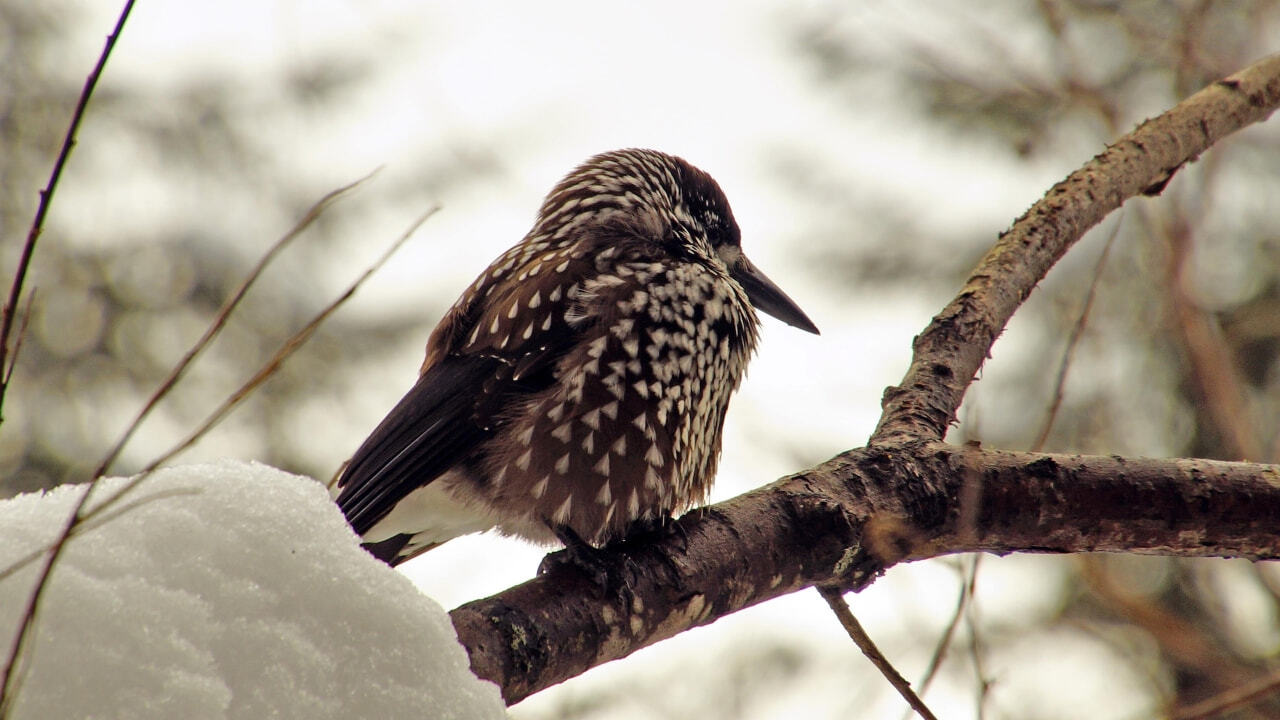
pixel 605 569
pixel 650 530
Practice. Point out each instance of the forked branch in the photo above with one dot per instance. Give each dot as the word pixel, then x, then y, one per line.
pixel 842 523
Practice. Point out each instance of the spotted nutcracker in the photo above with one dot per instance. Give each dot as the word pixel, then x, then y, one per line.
pixel 579 386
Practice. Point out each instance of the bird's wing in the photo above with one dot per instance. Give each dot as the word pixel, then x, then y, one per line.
pixel 428 431
pixel 487 351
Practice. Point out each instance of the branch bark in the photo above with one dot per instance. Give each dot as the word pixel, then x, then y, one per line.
pixel 908 496
pixel 949 352
pixel 845 522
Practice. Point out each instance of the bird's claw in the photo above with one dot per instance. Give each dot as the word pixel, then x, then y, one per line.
pixel 605 569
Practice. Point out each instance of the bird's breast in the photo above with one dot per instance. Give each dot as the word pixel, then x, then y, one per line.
pixel 629 428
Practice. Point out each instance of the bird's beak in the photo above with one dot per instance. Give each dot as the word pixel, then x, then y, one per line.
pixel 769 297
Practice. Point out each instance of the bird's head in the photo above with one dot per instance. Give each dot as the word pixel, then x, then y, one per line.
pixel 664 199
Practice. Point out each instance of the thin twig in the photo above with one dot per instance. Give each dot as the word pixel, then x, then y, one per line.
pixel 87 524
pixel 969 499
pixel 7 676
pixel 21 638
pixel 1231 699
pixel 1077 331
pixel 220 319
pixel 968 579
pixel 287 348
pixel 22 333
pixel 859 636
pixel 78 516
pixel 42 210
pixel 975 649
pixel 1211 365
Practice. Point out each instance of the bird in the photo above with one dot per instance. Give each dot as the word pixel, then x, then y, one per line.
pixel 578 388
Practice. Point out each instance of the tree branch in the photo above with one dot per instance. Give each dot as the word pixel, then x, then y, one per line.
pixel 950 351
pixel 858 634
pixel 908 496
pixel 844 523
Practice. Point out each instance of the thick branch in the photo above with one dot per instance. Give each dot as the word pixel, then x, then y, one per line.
pixel 846 521
pixel 907 496
pixel 950 351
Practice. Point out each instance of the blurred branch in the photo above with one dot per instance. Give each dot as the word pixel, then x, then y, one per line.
pixel 287 348
pixel 37 226
pixel 968 583
pixel 80 517
pixel 1212 368
pixel 1232 699
pixel 1191 650
pixel 950 351
pixel 843 523
pixel 980 676
pixel 1077 332
pixel 220 320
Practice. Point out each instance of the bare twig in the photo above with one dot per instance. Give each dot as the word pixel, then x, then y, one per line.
pixel 1211 366
pixel 287 348
pixel 87 524
pixel 79 516
pixel 835 599
pixel 975 645
pixel 1077 331
pixel 967 581
pixel 42 209
pixel 220 320
pixel 21 639
pixel 22 333
pixel 7 675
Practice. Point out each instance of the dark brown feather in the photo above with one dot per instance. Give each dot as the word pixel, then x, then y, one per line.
pixel 581 382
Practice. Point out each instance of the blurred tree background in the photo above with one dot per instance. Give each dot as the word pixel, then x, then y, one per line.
pixel 1179 354
pixel 177 186
pixel 178 202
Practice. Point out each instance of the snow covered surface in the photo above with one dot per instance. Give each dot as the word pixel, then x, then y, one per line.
pixel 226 590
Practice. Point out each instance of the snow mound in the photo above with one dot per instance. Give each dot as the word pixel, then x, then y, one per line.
pixel 224 590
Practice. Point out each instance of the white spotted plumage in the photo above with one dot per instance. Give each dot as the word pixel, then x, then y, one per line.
pixel 615 334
